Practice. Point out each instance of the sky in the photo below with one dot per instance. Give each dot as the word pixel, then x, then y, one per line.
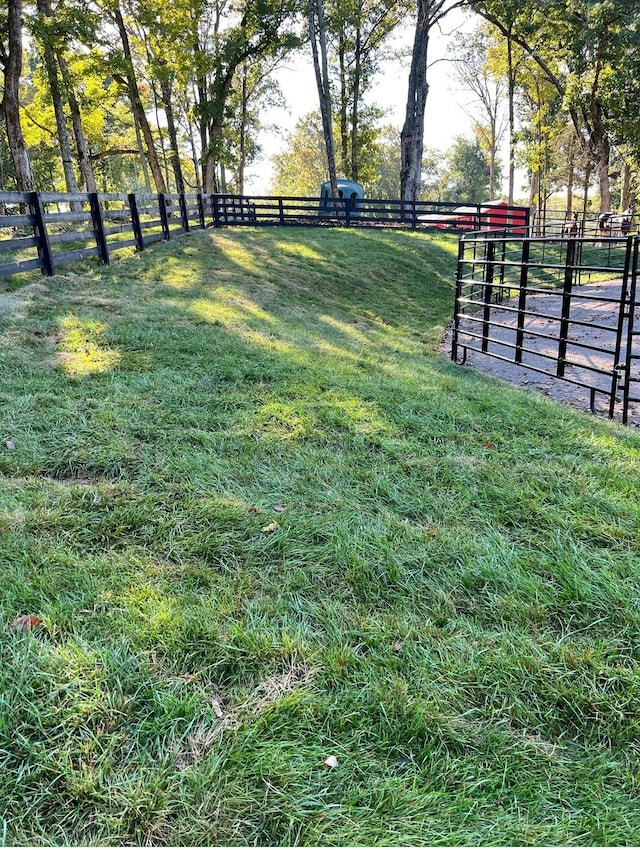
pixel 445 114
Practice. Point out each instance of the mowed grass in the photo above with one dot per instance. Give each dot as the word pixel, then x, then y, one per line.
pixel 266 523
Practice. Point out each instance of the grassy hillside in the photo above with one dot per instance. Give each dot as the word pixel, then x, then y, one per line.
pixel 265 524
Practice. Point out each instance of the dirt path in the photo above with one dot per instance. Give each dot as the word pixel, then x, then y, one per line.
pixel 592 304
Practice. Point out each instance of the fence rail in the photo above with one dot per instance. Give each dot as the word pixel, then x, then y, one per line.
pixel 43 231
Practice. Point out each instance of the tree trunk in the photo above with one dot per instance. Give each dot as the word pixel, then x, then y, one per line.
pixel 602 156
pixel 585 200
pixel 11 101
pixel 194 156
pixel 320 64
pixel 412 135
pixel 492 160
pixel 512 125
pixel 355 115
pixel 210 179
pixel 570 176
pixel 156 105
pixel 534 194
pixel 625 195
pixel 138 108
pixel 344 104
pixel 51 68
pixel 243 131
pixel 165 91
pixel 84 154
pixel 143 158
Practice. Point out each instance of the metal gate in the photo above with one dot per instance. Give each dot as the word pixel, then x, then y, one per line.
pixel 561 307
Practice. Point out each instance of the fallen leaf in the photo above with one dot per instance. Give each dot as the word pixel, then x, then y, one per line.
pixel 279 508
pixel 87 352
pixel 329 762
pixel 10 445
pixel 397 646
pixel 489 445
pixel 217 708
pixel 269 529
pixel 253 510
pixel 25 622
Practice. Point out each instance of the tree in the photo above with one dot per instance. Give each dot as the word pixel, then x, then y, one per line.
pixel 359 30
pixel 302 167
pixel 127 77
pixel 472 68
pixel 383 177
pixel 253 30
pixel 583 48
pixel 466 176
pixel 318 39
pixel 428 14
pixel 253 93
pixel 11 57
pixel 41 26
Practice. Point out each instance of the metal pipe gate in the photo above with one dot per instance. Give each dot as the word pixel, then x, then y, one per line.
pixel 562 307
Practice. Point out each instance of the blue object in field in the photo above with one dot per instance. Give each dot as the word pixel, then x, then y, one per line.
pixel 349 189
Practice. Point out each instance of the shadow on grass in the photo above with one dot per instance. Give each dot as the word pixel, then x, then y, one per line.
pixel 275 471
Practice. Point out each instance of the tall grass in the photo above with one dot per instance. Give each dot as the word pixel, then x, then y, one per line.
pixel 264 522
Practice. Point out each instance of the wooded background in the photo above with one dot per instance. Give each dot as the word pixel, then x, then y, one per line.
pixel 142 95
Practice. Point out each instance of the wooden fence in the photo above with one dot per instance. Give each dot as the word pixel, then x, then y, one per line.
pixel 47 230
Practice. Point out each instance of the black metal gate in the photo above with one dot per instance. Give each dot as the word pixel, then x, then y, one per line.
pixel 561 307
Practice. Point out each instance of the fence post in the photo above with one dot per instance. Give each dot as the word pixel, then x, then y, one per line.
pixel 135 221
pixel 414 219
pixel 40 232
pixel 522 299
pixel 281 210
pixel 216 210
pixel 566 306
pixel 164 218
pixel 201 210
pixel 456 303
pixel 488 291
pixel 631 294
pixel 98 227
pixel 184 214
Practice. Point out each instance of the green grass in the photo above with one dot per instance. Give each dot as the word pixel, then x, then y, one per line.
pixel 448 603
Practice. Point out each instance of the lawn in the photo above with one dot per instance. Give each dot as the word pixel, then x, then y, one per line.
pixel 266 524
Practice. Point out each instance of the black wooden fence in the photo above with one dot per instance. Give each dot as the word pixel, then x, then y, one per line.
pixel 46 230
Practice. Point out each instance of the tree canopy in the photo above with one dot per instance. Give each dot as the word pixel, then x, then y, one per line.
pixel 143 95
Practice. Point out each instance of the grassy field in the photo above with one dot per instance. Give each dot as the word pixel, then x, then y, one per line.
pixel 266 524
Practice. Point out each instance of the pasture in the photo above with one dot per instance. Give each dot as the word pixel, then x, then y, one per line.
pixel 301 579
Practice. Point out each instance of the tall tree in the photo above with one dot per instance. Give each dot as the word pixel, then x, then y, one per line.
pixel 466 175
pixel 318 38
pixel 359 30
pixel 473 69
pixel 581 47
pixel 128 78
pixel 428 14
pixel 253 30
pixel 11 57
pixel 46 39
pixel 302 166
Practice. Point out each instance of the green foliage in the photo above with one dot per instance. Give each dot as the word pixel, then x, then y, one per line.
pixel 462 177
pixel 585 50
pixel 302 166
